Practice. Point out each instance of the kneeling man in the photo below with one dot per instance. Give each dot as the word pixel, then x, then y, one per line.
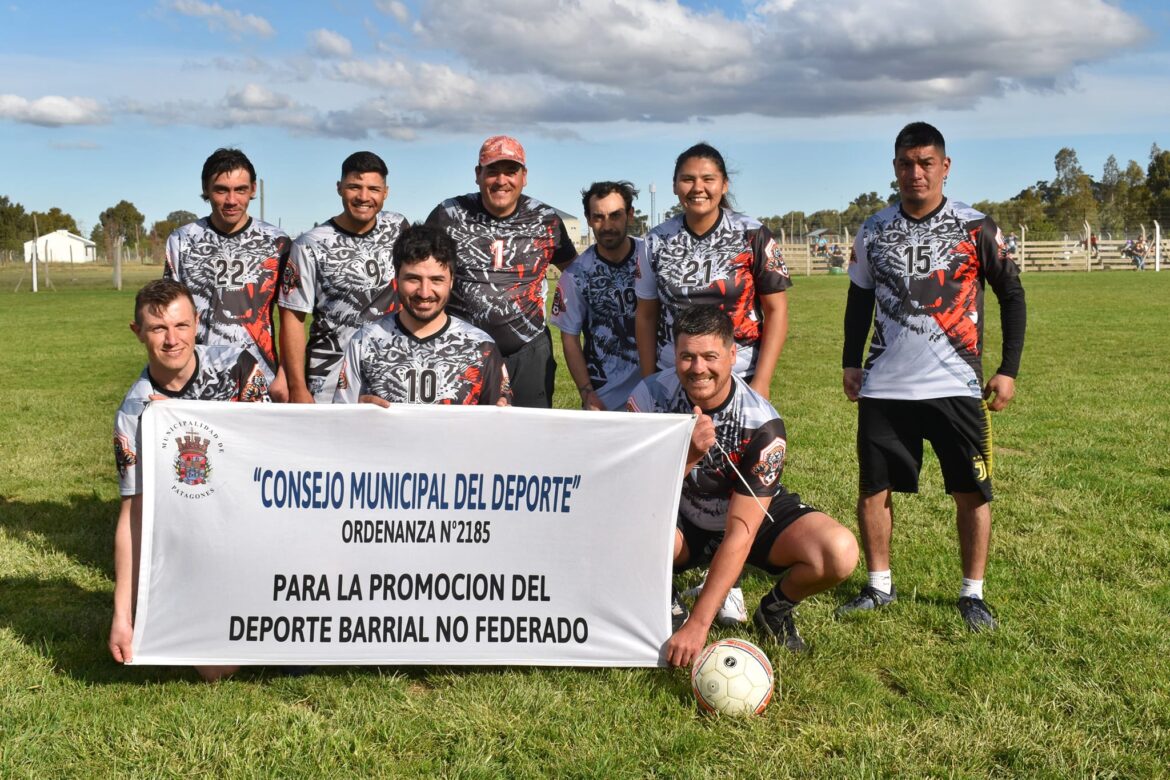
pixel 166 324
pixel 422 354
pixel 734 509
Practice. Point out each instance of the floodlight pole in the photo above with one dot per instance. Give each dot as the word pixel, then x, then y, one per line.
pixel 653 206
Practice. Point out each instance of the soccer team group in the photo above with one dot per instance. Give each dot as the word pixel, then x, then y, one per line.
pixel 692 319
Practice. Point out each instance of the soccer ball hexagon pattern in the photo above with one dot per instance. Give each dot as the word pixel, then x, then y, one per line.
pixel 732 677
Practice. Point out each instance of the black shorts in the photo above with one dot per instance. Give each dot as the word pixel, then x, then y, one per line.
pixel 889 443
pixel 531 372
pixel 785 510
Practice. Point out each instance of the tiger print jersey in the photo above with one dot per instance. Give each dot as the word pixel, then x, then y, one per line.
pixel 500 274
pixel 222 373
pixel 233 279
pixel 596 297
pixel 345 280
pixel 730 266
pixel 928 280
pixel 750 442
pixel 460 364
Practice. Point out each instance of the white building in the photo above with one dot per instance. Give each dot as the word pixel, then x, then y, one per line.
pixel 61 246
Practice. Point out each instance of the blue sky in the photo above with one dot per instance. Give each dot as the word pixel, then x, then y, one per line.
pixel 101 102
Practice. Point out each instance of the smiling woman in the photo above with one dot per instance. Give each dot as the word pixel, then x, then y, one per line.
pixel 710 254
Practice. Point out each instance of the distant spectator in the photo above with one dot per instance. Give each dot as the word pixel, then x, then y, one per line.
pixel 1138 254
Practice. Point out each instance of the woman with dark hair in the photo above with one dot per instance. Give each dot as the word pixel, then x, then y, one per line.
pixel 710 254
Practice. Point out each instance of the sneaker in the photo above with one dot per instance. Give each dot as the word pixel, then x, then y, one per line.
pixel 870 598
pixel 678 610
pixel 976 614
pixel 733 612
pixel 775 621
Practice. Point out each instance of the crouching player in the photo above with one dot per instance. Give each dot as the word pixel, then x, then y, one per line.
pixel 166 324
pixel 733 509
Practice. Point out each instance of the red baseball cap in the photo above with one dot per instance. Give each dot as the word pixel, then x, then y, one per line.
pixel 501 147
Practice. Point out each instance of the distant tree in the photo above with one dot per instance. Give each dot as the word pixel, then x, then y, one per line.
pixel 860 209
pixel 673 211
pixel 123 220
pixel 55 219
pixel 181 217
pixel 1158 184
pixel 1068 172
pixel 15 225
pixel 641 224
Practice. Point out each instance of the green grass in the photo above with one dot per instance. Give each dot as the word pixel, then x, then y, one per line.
pixel 1073 684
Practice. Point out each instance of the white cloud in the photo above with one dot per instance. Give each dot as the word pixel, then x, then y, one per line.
pixel 51 110
pixel 331 44
pixel 394 8
pixel 218 18
pixel 255 97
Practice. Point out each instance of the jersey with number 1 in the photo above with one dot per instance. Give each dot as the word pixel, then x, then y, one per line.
pixel 459 364
pixel 729 266
pixel 233 280
pixel 500 275
pixel 345 280
pixel 596 297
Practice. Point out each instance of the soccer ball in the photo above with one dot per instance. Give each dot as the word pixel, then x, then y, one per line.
pixel 732 677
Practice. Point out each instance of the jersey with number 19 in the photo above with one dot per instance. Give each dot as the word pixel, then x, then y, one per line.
pixel 233 280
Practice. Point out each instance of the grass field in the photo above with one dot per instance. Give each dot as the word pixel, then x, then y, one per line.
pixel 1076 682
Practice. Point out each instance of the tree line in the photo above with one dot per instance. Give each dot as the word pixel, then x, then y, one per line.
pixel 1117 204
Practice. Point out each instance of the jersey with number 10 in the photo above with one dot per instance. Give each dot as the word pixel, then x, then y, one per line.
pixel 233 281
pixel 458 365
pixel 345 280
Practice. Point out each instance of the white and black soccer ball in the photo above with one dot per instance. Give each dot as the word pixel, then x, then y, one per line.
pixel 732 677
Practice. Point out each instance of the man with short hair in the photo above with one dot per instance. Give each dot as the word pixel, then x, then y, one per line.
pixel 924 263
pixel 734 509
pixel 506 241
pixel 422 354
pixel 231 263
pixel 166 323
pixel 595 299
pixel 342 272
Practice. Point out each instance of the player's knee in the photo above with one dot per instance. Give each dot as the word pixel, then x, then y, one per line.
pixel 840 554
pixel 212 674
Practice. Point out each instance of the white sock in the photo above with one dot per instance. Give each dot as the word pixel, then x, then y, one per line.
pixel 881 580
pixel 971 589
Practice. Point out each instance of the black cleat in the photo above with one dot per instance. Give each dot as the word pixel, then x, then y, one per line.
pixel 678 610
pixel 976 614
pixel 868 600
pixel 774 619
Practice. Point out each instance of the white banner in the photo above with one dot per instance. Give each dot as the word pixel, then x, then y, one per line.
pixel 289 534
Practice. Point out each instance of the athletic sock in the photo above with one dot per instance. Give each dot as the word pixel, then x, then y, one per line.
pixel 971 589
pixel 776 597
pixel 882 580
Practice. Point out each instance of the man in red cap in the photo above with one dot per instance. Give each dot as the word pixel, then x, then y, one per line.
pixel 505 241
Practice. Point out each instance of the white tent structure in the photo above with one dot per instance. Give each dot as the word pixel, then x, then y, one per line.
pixel 61 246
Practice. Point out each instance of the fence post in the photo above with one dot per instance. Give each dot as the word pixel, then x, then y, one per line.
pixel 1023 244
pixel 1157 246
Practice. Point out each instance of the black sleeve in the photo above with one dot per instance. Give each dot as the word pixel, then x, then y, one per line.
pixel 1003 275
pixel 858 318
pixel 565 252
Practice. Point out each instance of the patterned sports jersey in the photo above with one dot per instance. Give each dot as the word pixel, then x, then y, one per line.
pixel 233 279
pixel 222 373
pixel 928 276
pixel 747 428
pixel 345 280
pixel 596 297
pixel 737 261
pixel 458 365
pixel 500 274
